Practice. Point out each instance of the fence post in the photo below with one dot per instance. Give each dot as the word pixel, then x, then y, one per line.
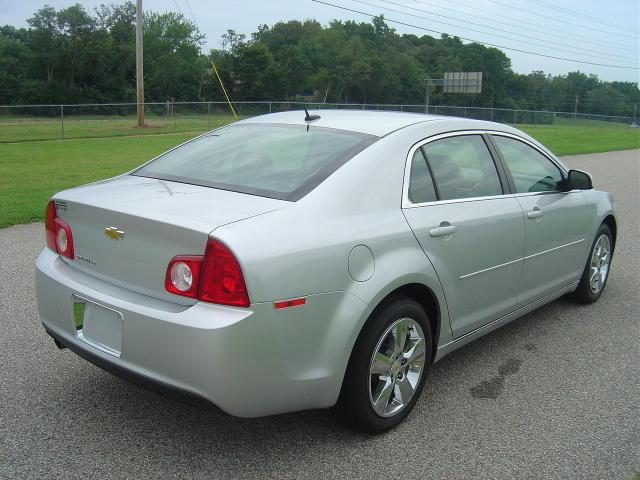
pixel 491 114
pixel 402 108
pixel 209 114
pixel 465 112
pixel 515 117
pixel 269 107
pixel 535 117
pixel 62 120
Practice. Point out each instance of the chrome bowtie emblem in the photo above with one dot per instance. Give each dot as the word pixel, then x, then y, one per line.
pixel 114 233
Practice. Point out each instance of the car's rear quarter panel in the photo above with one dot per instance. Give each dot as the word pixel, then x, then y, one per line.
pixel 303 250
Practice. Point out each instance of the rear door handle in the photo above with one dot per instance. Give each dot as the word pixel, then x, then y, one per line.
pixel 535 213
pixel 443 231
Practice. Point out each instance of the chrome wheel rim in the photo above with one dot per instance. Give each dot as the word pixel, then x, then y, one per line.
pixel 599 265
pixel 396 367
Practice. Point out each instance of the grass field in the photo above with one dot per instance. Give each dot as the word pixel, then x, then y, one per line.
pixel 23 130
pixel 570 140
pixel 30 172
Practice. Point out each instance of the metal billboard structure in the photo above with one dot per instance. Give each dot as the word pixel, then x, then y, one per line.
pixel 469 83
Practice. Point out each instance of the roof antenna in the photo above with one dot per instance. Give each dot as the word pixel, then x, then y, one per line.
pixel 309 118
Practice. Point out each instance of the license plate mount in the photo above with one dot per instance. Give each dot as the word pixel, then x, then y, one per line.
pixel 98 325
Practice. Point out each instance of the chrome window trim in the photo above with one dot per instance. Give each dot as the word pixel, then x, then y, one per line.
pixel 407 203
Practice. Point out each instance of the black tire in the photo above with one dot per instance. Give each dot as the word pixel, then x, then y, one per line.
pixel 584 293
pixel 354 406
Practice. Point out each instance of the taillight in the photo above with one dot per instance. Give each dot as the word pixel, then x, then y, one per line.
pixel 221 279
pixel 49 225
pixel 58 232
pixel 182 275
pixel 215 277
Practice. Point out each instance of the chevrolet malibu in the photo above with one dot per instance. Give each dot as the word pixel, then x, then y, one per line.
pixel 291 262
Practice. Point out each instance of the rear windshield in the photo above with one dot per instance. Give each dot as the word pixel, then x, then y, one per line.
pixel 271 160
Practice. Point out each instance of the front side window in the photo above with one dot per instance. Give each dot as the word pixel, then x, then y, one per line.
pixel 531 171
pixel 462 167
pixel 271 160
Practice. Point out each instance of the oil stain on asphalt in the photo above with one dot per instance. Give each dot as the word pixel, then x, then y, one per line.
pixel 493 387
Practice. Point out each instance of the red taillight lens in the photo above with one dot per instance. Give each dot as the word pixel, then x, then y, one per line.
pixel 221 279
pixel 49 225
pixel 58 232
pixel 183 275
pixel 215 277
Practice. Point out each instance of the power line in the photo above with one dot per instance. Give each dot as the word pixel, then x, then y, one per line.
pixel 581 15
pixel 191 12
pixel 475 41
pixel 574 50
pixel 529 12
pixel 178 7
pixel 519 22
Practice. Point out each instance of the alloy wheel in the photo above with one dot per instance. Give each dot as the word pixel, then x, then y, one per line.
pixel 396 368
pixel 599 265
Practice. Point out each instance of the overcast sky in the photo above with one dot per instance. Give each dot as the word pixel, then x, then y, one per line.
pixel 595 31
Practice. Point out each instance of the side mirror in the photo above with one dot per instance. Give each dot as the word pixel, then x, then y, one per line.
pixel 578 180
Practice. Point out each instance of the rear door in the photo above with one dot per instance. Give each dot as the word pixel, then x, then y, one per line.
pixel 556 221
pixel 456 201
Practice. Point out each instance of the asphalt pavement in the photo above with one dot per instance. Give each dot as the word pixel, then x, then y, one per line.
pixel 555 394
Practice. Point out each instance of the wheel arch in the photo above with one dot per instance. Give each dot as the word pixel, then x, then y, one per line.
pixel 610 221
pixel 425 297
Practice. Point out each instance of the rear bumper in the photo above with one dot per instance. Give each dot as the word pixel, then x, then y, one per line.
pixel 247 362
pixel 149 383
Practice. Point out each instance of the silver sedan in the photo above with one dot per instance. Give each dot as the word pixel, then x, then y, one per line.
pixel 291 262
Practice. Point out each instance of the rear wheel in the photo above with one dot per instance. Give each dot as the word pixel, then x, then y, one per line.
pixel 596 271
pixel 387 369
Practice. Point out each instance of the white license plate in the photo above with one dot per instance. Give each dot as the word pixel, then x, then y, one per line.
pixel 98 325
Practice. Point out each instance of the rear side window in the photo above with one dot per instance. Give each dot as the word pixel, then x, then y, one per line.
pixel 462 167
pixel 531 171
pixel 271 160
pixel 421 187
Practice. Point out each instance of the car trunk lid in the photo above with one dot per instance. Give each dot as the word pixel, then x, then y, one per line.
pixel 126 230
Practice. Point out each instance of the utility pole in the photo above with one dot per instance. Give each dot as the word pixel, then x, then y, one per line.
pixel 426 96
pixel 635 107
pixel 139 72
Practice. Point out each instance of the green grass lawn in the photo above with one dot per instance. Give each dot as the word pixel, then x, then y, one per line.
pixel 30 172
pixel 87 126
pixel 33 171
pixel 570 140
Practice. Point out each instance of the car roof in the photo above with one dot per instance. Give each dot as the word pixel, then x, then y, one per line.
pixel 378 123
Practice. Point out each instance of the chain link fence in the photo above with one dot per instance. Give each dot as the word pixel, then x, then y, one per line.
pixel 19 123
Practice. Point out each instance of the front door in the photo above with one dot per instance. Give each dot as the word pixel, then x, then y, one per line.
pixel 470 230
pixel 556 221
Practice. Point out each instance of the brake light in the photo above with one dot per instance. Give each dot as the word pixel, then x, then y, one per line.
pixel 58 232
pixel 221 279
pixel 215 277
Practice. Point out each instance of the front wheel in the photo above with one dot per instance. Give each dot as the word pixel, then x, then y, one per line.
pixel 596 271
pixel 387 368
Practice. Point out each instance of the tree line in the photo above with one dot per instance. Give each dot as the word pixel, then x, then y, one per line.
pixel 72 55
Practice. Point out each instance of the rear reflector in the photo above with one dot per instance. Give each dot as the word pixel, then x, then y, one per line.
pixel 294 302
